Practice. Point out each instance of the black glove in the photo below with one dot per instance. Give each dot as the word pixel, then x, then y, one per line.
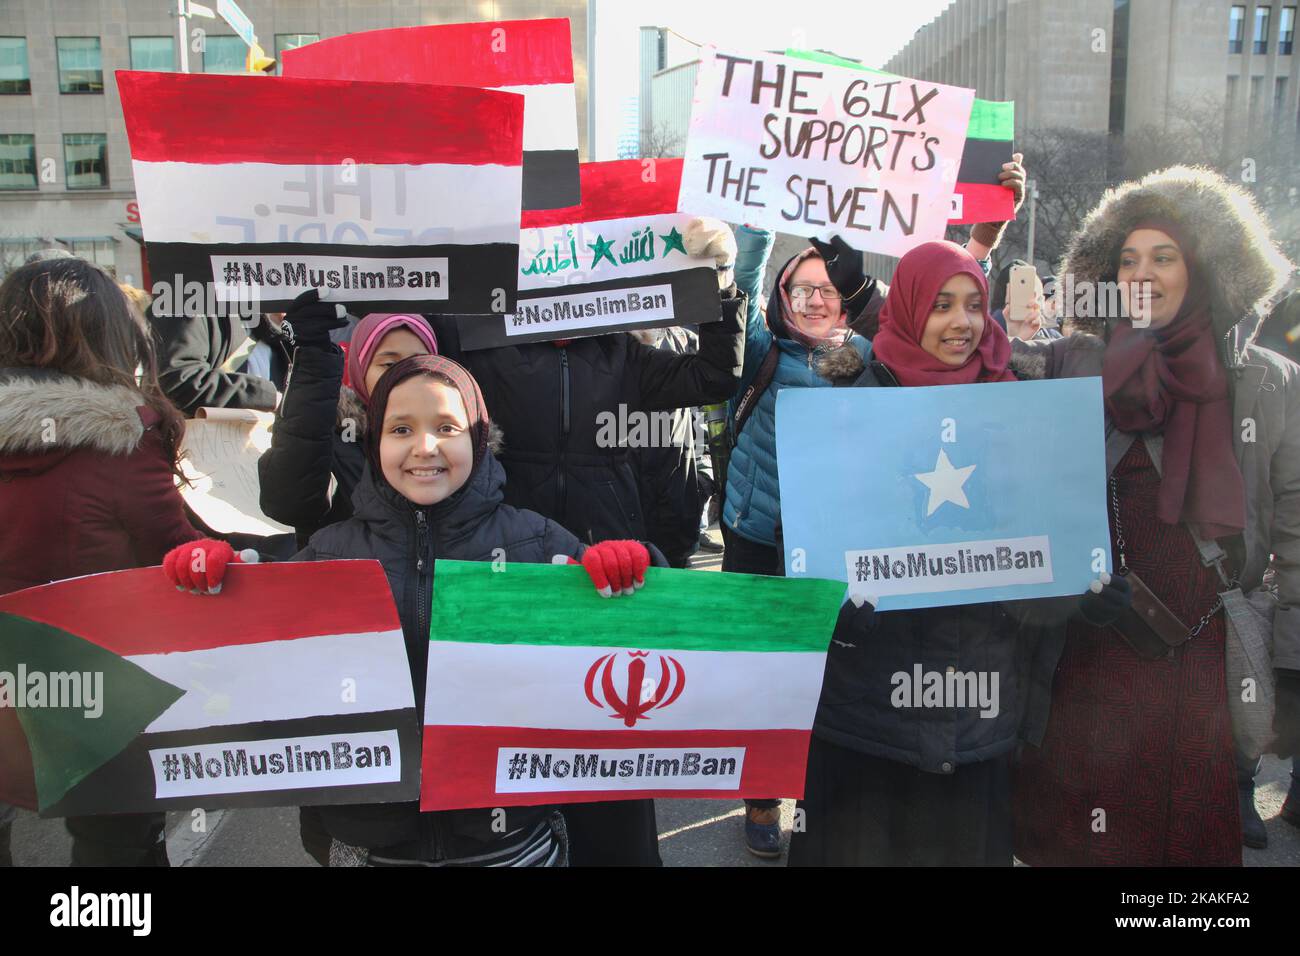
pixel 1286 716
pixel 1105 607
pixel 844 266
pixel 854 623
pixel 311 320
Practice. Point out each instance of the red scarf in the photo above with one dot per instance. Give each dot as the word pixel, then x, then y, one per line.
pixel 912 293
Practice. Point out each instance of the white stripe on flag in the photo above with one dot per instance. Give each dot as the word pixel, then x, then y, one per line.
pixel 283 680
pixel 549 247
pixel 531 685
pixel 550 115
pixel 390 205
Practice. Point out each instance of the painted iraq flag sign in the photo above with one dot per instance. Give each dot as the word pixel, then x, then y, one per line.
pixel 291 688
pixel 613 263
pixel 530 57
pixel 393 196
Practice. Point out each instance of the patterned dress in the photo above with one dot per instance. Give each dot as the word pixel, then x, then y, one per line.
pixel 1137 767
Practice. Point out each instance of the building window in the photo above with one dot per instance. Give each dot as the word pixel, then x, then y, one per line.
pixel 290 41
pixel 1279 98
pixel 224 55
pixel 1286 31
pixel 97 249
pixel 153 53
pixel 85 160
pixel 17 161
pixel 81 68
pixel 14 76
pixel 1262 15
pixel 1119 67
pixel 1236 29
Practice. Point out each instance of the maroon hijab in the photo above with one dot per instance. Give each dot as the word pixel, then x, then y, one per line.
pixel 921 273
pixel 1171 381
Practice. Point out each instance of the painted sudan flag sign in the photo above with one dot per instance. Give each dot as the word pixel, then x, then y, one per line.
pixel 540 690
pixel 393 196
pixel 291 687
pixel 530 57
pixel 613 263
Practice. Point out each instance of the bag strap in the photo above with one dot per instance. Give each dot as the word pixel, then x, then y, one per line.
pixel 762 379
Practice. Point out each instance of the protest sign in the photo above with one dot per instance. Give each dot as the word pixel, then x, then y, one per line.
pixel 542 691
pixel 530 57
pixel 615 262
pixel 819 149
pixel 978 196
pixel 120 694
pixel 219 454
pixel 955 494
pixel 394 197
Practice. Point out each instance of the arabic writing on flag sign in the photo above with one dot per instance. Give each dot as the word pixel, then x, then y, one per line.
pixel 961 494
pixel 540 691
pixel 530 57
pixel 819 149
pixel 394 196
pixel 119 694
pixel 615 262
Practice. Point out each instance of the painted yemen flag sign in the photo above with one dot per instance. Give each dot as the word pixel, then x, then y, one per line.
pixel 542 691
pixel 395 197
pixel 613 263
pixel 532 57
pixel 117 693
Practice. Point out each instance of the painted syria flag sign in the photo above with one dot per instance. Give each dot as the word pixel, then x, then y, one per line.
pixel 395 197
pixel 539 690
pixel 531 57
pixel 118 693
pixel 613 263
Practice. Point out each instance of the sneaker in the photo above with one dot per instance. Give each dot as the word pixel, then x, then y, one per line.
pixel 763 831
pixel 1291 806
pixel 1253 833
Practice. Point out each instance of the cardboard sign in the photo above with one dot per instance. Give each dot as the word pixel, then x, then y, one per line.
pixel 613 263
pixel 120 694
pixel 394 197
pixel 219 456
pixel 818 149
pixel 956 494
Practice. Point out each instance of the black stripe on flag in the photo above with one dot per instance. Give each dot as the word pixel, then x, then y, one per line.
pixel 126 783
pixel 982 160
pixel 475 273
pixel 696 301
pixel 551 179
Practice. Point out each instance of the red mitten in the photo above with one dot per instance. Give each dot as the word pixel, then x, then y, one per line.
pixel 198 566
pixel 616 567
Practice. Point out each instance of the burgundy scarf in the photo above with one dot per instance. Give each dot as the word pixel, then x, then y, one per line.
pixel 1171 381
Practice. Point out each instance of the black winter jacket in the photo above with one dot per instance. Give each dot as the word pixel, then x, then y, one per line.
pixel 548 400
pixel 866 708
pixel 192 353
pixel 406 539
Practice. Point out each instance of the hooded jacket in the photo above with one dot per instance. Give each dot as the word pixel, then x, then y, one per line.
pixel 85 485
pixel 1245 269
pixel 406 539
pixel 200 362
pixel 753 500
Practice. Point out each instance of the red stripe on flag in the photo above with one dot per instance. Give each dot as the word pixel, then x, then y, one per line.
pixel 139 612
pixel 617 189
pixel 982 202
pixel 501 53
pixel 200 118
pixel 459 763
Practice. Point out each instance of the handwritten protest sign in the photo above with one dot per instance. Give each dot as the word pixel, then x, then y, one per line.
pixel 614 262
pixel 219 456
pixel 819 149
pixel 957 494
pixel 120 694
pixel 396 197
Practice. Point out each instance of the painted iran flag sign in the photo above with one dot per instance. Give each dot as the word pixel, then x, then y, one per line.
pixel 615 262
pixel 394 197
pixel 291 687
pixel 540 690
pixel 531 57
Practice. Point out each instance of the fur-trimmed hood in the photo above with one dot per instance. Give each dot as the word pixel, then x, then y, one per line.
pixel 1244 267
pixel 43 413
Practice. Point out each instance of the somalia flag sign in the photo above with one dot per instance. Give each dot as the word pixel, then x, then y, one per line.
pixel 291 687
pixel 956 494
pixel 542 691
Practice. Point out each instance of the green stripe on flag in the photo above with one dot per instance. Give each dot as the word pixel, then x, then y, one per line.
pixel 676 610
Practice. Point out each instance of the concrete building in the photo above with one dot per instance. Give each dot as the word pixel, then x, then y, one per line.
pixel 65 168
pixel 660 100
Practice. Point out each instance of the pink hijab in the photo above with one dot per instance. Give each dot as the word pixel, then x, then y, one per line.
pixel 366 337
